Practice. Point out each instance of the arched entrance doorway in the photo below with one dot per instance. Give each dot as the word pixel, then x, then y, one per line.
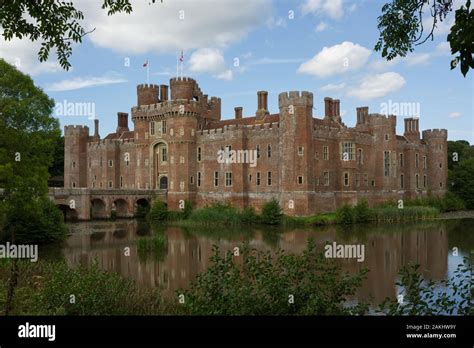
pixel 98 209
pixel 163 183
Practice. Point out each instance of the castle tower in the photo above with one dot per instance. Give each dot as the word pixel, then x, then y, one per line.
pixel 437 157
pixel 75 156
pixel 183 88
pixel 147 94
pixel 297 150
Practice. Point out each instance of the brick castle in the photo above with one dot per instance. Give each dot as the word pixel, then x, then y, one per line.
pixel 308 164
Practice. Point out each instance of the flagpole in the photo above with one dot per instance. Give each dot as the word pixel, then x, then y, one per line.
pixel 177 66
pixel 147 72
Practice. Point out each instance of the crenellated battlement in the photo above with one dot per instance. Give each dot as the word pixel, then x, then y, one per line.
pixel 182 79
pixel 435 133
pixel 381 120
pixel 296 98
pixel 147 86
pixel 168 108
pixel 76 130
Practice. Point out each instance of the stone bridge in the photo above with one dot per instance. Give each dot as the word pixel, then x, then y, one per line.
pixel 86 204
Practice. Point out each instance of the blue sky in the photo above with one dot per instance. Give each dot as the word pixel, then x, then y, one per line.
pixel 323 46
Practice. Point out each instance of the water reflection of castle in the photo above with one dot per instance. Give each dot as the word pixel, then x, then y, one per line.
pixel 385 253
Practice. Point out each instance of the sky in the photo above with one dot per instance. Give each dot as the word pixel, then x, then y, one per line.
pixel 235 48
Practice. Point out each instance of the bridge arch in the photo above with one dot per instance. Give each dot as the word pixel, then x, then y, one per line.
pixel 98 209
pixel 68 213
pixel 121 207
pixel 142 206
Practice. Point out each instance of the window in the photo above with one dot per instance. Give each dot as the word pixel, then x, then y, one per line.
pixel 93 184
pixel 199 179
pixel 152 128
pixel 366 180
pixel 258 179
pixel 100 162
pixel 181 159
pixel 74 164
pixel 373 183
pixel 163 127
pixel 191 179
pixel 228 149
pixel 317 181
pixel 401 160
pixel 146 162
pixel 250 177
pixel 316 155
pixel 300 180
pixel 424 181
pixel 402 183
pixel 300 150
pixel 357 180
pixel 269 151
pixel 326 153
pixel 111 184
pixel 441 165
pixel 228 179
pixel 127 162
pixel 199 154
pixel 417 181
pixel 171 132
pixel 90 162
pixel 425 163
pixel 386 137
pixel 417 160
pixel 164 154
pixel 121 181
pixel 269 178
pixel 111 163
pixel 386 163
pixel 360 156
pixel 73 184
pixel 258 151
pixel 347 151
pixel 346 179
pixel 326 178
pixel 101 184
pixel 216 179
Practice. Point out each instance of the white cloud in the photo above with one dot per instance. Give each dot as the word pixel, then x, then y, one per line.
pixel 321 27
pixel 418 58
pixel 443 48
pixel 375 86
pixel 454 114
pixel 24 55
pixel 275 22
pixel 337 59
pixel 383 64
pixel 158 27
pixel 267 60
pixel 333 87
pixel 210 60
pixel 83 82
pixel 226 75
pixel 331 8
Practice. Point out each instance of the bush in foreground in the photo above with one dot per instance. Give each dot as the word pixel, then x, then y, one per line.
pixel 271 213
pixel 279 284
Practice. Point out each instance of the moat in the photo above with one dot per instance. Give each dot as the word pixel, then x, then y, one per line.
pixel 388 247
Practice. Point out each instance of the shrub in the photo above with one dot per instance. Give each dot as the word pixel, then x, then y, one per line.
pixel 421 297
pixel 39 223
pixel 158 212
pixel 262 285
pixel 248 216
pixel 271 213
pixel 188 208
pixel 362 212
pixel 217 213
pixel 345 214
pixel 453 202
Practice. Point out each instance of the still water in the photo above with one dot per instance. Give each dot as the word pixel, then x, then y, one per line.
pixel 387 249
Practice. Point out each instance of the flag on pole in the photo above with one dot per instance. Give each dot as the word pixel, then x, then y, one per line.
pixel 145 65
pixel 181 57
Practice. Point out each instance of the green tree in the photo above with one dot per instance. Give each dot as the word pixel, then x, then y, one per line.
pixel 271 213
pixel 458 151
pixel 56 23
pixel 28 135
pixel 401 29
pixel 461 181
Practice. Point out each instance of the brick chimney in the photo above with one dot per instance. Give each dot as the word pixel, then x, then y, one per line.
pixel 412 131
pixel 96 129
pixel 238 112
pixel 122 122
pixel 262 100
pixel 163 93
pixel 362 114
pixel 328 109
